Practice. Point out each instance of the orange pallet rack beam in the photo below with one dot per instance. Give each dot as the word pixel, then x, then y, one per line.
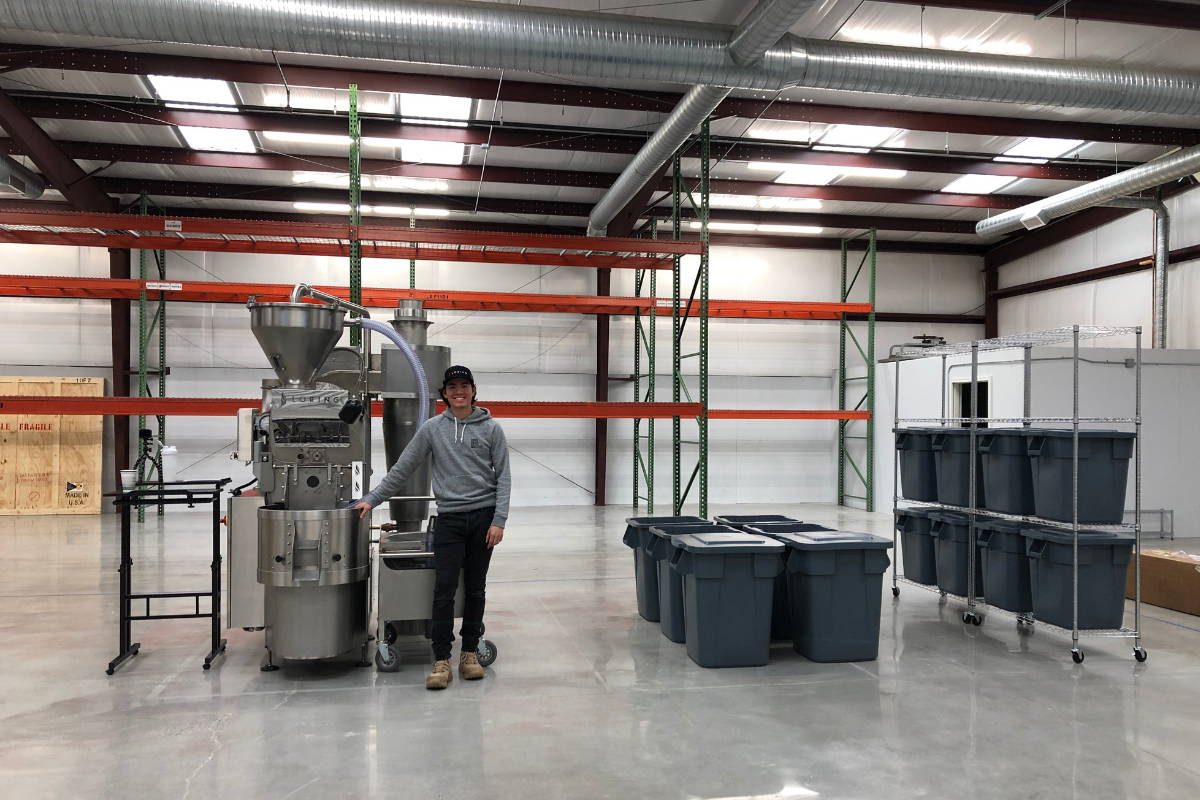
pixel 375 297
pixel 147 232
pixel 229 406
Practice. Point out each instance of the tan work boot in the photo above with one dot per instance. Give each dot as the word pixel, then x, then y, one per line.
pixel 440 676
pixel 469 666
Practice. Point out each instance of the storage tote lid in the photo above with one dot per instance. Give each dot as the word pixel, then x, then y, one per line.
pixel 646 522
pixel 999 525
pixel 924 512
pixel 1067 433
pixel 671 531
pixel 732 543
pixel 953 517
pixel 834 540
pixel 1087 538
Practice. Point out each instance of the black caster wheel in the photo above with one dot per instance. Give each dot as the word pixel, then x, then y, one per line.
pixel 206 666
pixel 386 659
pixel 487 652
pixel 389 633
pixel 971 618
pixel 895 591
pixel 1140 654
pixel 1077 656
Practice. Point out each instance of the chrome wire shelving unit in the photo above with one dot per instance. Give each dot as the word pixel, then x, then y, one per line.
pixel 975 605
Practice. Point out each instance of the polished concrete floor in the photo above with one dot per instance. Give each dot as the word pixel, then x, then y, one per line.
pixel 585 701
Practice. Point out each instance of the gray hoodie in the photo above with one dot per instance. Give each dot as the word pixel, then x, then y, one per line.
pixel 470 464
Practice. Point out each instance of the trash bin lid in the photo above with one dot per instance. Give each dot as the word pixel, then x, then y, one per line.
pixel 777 528
pixel 732 543
pixel 1087 538
pixel 671 531
pixel 741 519
pixel 834 540
pixel 646 522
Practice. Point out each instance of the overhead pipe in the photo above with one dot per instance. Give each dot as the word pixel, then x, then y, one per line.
pixel 606 47
pixel 757 33
pixel 1162 258
pixel 1131 181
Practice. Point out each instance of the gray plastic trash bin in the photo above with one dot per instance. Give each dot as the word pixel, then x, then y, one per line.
pixel 727 582
pixel 951 531
pixel 916 545
pixel 1005 565
pixel 781 606
pixel 645 572
pixel 740 521
pixel 918 475
pixel 951 449
pixel 1007 476
pixel 1103 562
pixel 835 580
pixel 1103 474
pixel 670 582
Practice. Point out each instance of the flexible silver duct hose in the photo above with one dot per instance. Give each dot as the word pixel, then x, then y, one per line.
pixel 411 357
pixel 1131 181
pixel 761 29
pixel 604 47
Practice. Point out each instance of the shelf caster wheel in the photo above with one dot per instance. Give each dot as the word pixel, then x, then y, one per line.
pixel 971 618
pixel 389 633
pixel 1140 654
pixel 895 591
pixel 487 652
pixel 1077 655
pixel 386 659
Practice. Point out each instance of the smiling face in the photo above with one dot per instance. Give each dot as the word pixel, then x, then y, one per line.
pixel 459 394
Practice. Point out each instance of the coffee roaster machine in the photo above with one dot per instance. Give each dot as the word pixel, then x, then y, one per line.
pixel 301 563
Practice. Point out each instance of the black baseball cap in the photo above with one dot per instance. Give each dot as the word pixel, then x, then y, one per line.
pixel 458 373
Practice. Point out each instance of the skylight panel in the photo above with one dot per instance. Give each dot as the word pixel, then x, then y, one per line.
pixel 978 184
pixel 228 140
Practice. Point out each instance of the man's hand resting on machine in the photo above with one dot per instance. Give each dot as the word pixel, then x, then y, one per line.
pixel 364 509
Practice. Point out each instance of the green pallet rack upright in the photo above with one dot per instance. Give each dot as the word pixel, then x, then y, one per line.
pixel 645 337
pixel 679 317
pixel 857 474
pixel 151 325
pixel 355 131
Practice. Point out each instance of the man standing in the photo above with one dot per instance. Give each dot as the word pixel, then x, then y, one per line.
pixel 471 484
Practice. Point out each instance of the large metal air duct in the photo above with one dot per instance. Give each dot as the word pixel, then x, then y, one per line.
pixel 762 28
pixel 605 47
pixel 1131 181
pixel 20 180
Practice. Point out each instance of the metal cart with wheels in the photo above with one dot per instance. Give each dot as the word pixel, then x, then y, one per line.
pixel 404 596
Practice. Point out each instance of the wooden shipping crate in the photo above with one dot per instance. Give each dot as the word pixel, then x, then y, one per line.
pixel 50 464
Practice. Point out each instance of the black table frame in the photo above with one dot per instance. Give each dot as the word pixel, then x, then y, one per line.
pixel 187 493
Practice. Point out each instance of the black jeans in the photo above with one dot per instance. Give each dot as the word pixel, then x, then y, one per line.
pixel 460 545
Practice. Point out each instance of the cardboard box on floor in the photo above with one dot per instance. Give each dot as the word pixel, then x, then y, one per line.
pixel 1170 579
